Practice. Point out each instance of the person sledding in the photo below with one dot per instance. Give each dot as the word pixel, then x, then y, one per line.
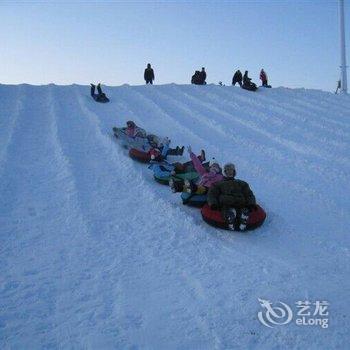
pixel 164 170
pixel 247 83
pixel 263 78
pixel 208 177
pixel 163 146
pixel 132 130
pixel 132 136
pixel 233 198
pixel 100 96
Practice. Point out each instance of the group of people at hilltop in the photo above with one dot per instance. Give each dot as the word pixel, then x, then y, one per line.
pixel 246 83
pixel 198 78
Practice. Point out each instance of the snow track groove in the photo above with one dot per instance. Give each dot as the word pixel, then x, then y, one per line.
pixel 298 164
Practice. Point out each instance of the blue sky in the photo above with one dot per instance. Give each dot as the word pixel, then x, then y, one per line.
pixel 64 42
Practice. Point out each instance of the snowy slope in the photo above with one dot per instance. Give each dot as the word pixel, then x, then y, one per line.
pixel 96 255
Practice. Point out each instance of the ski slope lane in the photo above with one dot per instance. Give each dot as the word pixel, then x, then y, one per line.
pixel 95 254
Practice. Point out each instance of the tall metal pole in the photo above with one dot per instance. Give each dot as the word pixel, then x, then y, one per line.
pixel 344 83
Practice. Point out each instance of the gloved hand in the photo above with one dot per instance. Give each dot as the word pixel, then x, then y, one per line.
pixel 189 149
pixel 214 207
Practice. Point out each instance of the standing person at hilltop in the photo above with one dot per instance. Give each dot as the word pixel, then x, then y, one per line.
pixel 202 76
pixel 149 74
pixel 237 78
pixel 263 78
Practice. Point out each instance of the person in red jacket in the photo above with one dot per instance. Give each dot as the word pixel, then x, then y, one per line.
pixel 263 78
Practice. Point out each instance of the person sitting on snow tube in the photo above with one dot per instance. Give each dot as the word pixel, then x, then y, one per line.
pixel 247 84
pixel 135 137
pixel 158 152
pixel 207 177
pixel 178 168
pixel 158 145
pixel 234 198
pixel 132 130
pixel 164 170
pixel 100 96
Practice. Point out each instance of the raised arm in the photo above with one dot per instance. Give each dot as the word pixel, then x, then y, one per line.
pixel 197 164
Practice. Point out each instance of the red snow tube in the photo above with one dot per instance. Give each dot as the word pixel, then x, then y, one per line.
pixel 214 217
pixel 140 156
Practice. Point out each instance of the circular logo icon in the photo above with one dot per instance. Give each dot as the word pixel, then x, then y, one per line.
pixel 274 315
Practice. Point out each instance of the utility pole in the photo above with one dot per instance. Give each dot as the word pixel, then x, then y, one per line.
pixel 344 83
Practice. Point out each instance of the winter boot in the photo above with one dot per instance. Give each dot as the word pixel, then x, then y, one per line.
pixel 175 186
pixel 99 90
pixel 230 218
pixel 188 187
pixel 92 90
pixel 180 150
pixel 243 219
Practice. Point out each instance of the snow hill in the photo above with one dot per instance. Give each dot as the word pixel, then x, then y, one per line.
pixel 96 255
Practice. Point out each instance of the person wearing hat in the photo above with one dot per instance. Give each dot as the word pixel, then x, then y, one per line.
pixel 208 177
pixel 233 197
pixel 132 130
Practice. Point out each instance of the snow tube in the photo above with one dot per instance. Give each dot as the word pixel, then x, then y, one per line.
pixel 162 173
pixel 140 156
pixel 193 200
pixel 214 218
pixel 192 176
pixel 250 87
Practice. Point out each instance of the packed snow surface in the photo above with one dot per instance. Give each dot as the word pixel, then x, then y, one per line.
pixel 96 255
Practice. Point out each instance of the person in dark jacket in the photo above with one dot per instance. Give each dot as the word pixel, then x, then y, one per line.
pixel 196 78
pixel 233 197
pixel 149 74
pixel 237 78
pixel 202 77
pixel 246 79
pixel 247 83
pixel 100 96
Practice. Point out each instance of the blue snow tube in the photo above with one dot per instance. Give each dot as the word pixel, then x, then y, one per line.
pixel 162 173
pixel 193 200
